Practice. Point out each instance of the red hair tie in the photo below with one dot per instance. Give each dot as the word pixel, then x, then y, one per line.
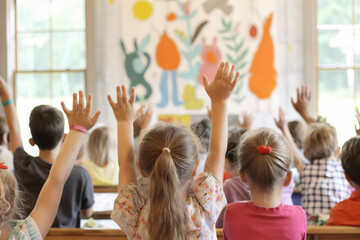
pixel 3 166
pixel 262 149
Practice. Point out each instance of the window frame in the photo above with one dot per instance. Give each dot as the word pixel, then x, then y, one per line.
pixel 49 71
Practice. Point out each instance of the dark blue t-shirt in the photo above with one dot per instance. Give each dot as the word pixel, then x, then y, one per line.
pixel 31 174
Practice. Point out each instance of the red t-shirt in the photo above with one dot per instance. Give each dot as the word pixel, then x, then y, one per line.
pixel 346 212
pixel 244 220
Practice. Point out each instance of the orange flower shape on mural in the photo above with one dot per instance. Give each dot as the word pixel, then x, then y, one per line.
pixel 167 54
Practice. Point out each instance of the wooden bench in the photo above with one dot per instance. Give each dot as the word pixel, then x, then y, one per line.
pixel 313 233
pixel 332 233
pixel 105 189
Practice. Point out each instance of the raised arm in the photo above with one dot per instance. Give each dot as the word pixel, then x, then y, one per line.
pixel 11 116
pixel 302 104
pixel 48 201
pixel 144 122
pixel 219 91
pixel 125 115
pixel 357 115
pixel 247 121
pixel 282 124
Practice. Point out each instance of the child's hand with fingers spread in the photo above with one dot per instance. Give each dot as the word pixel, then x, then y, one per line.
pixel 247 121
pixel 124 109
pixel 223 85
pixel 282 123
pixel 80 114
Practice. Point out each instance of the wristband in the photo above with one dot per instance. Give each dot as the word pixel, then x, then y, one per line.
pixel 8 102
pixel 79 128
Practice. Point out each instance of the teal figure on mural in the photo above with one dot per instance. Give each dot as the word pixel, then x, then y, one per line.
pixel 135 67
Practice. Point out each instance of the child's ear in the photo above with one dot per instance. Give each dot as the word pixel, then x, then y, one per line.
pixel 288 179
pixel 243 177
pixel 31 141
pixel 195 169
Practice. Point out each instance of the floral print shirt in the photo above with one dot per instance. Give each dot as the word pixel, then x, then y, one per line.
pixel 131 209
pixel 26 229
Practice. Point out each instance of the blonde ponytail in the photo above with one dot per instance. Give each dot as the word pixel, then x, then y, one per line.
pixel 168 216
pixel 8 196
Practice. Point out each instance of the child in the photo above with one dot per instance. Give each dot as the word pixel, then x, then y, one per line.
pixel 168 155
pixel 47 131
pixel 264 160
pixel 5 155
pixel 347 212
pixel 38 223
pixel 103 170
pixel 322 182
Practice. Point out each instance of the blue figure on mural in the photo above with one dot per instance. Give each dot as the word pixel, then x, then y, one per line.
pixel 135 69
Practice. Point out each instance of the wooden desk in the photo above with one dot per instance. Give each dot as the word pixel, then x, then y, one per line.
pixel 105 189
pixel 313 232
pixel 84 234
pixel 101 215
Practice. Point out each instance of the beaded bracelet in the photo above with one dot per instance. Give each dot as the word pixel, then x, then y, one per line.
pixel 8 102
pixel 79 128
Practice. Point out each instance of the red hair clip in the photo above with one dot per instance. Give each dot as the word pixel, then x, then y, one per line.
pixel 2 166
pixel 262 149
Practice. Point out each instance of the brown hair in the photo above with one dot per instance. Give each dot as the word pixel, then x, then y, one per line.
pixel 232 144
pixel 350 159
pixel 168 153
pixel 297 130
pixel 46 126
pixel 98 145
pixel 320 141
pixel 264 169
pixel 9 200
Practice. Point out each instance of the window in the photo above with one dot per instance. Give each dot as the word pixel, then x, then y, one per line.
pixel 50 55
pixel 338 26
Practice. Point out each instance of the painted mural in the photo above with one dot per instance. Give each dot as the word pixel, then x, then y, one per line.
pixel 167 46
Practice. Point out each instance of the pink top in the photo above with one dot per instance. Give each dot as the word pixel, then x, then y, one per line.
pixel 131 209
pixel 244 220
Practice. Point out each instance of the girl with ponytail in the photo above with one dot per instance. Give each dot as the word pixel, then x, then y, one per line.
pixel 168 156
pixel 264 158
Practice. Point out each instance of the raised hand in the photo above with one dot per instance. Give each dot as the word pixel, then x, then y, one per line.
pixel 145 118
pixel 247 121
pixel 357 115
pixel 80 115
pixel 282 123
pixel 224 82
pixel 123 109
pixel 302 103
